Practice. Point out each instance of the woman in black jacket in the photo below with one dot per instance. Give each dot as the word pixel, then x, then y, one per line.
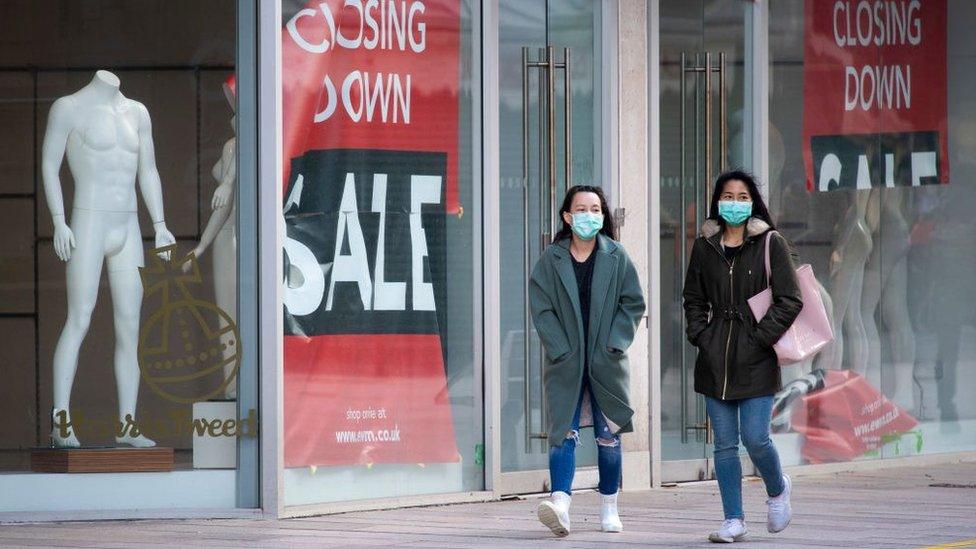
pixel 737 370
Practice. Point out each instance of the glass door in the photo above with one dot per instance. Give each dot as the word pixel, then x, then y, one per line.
pixel 703 106
pixel 550 125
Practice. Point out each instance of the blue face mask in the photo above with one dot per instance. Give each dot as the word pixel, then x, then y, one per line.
pixel 734 212
pixel 586 225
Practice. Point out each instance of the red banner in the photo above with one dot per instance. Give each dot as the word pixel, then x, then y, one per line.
pixel 370 138
pixel 874 94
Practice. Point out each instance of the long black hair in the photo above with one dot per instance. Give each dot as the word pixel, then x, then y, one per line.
pixel 608 229
pixel 758 205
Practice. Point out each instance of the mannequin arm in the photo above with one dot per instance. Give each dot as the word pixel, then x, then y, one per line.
pixel 225 191
pixel 223 198
pixel 214 224
pixel 52 153
pixel 149 184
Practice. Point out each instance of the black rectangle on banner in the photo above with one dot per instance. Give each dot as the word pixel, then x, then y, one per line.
pixel 365 249
pixel 865 161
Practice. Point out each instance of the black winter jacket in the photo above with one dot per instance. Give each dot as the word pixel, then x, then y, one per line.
pixel 735 350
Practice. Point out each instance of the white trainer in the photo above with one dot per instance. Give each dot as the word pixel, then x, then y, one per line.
pixel 731 530
pixel 609 518
pixel 554 513
pixel 780 510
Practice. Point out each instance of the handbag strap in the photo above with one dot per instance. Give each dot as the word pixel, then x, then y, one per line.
pixel 769 236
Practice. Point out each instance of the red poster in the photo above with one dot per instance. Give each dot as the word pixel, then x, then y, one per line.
pixel 370 115
pixel 874 94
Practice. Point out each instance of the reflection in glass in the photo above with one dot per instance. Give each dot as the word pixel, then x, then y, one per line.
pixel 894 261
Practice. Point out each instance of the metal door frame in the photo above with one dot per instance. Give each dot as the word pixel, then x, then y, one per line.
pixel 756 140
pixel 532 481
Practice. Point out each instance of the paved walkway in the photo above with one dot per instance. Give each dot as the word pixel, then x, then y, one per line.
pixel 900 507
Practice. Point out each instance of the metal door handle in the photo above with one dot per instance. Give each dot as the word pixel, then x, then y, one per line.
pixel 548 196
pixel 702 186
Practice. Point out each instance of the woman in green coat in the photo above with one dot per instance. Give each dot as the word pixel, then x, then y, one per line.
pixel 586 303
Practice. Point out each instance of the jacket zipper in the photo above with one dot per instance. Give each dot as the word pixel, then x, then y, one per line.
pixel 728 341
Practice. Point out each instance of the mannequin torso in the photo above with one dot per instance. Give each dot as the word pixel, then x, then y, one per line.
pixel 103 153
pixel 103 143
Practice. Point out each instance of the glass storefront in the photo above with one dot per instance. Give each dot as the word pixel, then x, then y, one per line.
pixel 885 218
pixel 868 174
pixel 382 367
pixel 131 241
pixel 119 283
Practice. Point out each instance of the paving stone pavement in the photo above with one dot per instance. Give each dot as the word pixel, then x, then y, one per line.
pixel 896 507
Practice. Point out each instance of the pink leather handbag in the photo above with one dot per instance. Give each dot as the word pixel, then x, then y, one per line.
pixel 811 330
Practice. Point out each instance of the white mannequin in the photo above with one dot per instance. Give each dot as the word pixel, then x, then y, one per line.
pixel 886 283
pixel 852 246
pixel 108 140
pixel 221 231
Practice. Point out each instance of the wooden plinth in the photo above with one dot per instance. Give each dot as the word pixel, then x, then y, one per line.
pixel 101 460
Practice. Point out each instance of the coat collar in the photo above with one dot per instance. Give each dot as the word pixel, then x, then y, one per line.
pixel 754 227
pixel 604 244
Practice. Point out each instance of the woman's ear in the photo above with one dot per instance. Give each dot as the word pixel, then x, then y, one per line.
pixel 568 218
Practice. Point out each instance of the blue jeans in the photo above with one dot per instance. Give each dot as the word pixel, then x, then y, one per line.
pixel 751 417
pixel 562 458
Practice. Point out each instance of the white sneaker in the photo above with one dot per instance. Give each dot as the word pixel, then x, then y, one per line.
pixel 554 513
pixel 780 510
pixel 609 519
pixel 731 530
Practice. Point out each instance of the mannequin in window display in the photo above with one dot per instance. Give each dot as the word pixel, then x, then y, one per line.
pixel 220 231
pixel 108 141
pixel 852 246
pixel 886 285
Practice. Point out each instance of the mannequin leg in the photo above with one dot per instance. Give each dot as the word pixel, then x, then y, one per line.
pixel 832 357
pixel 225 292
pixel 854 330
pixel 894 312
pixel 870 299
pixel 127 292
pixel 845 295
pixel 824 359
pixel 83 272
pixel 852 248
pixel 126 305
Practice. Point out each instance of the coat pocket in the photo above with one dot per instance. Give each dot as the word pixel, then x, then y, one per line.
pixel 612 361
pixel 561 365
pixel 708 334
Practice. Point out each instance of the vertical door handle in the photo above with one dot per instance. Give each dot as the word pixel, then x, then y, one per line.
pixel 722 116
pixel 549 194
pixel 708 131
pixel 568 123
pixel 702 187
pixel 526 326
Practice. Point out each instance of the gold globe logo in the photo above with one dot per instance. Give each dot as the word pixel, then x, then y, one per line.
pixel 189 348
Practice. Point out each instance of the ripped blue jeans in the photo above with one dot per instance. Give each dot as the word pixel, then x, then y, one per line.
pixel 562 458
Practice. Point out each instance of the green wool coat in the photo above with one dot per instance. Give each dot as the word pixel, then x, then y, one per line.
pixel 616 308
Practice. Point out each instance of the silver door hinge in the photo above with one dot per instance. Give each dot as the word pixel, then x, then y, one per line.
pixel 619 214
